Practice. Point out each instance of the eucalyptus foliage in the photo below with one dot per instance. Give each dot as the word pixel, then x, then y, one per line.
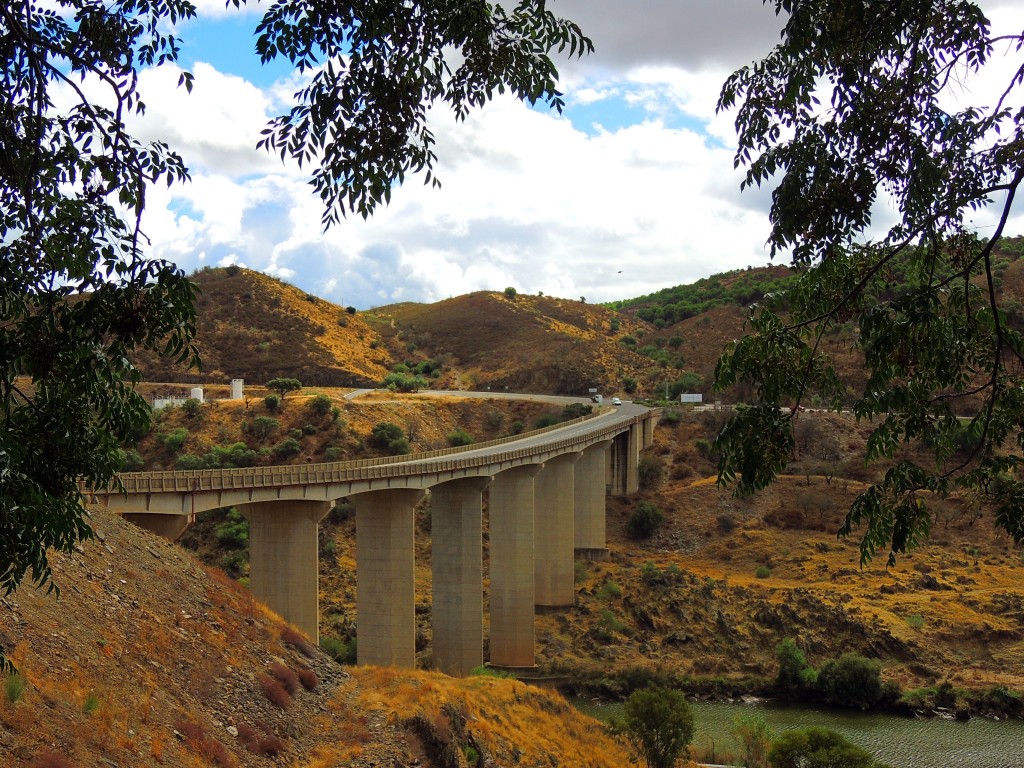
pixel 77 293
pixel 864 106
pixel 377 68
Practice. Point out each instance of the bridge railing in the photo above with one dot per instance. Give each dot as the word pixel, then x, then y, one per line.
pixel 192 481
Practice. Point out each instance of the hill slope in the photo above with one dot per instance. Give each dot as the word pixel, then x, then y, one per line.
pixel 148 659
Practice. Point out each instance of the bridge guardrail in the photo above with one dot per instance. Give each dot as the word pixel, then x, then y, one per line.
pixel 193 481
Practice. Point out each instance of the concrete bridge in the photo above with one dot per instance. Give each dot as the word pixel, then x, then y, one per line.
pixel 546 502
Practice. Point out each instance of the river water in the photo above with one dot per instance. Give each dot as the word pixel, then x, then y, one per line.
pixel 897 741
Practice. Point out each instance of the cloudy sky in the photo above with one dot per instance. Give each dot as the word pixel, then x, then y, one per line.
pixel 630 190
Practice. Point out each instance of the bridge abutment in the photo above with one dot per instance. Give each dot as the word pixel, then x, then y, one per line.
pixel 510 505
pixel 553 524
pixel 283 559
pixel 457 613
pixel 385 577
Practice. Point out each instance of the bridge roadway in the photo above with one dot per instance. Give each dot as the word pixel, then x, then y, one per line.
pixel 546 491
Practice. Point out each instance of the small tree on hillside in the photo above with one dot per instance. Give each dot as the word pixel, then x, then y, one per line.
pixel 284 386
pixel 811 747
pixel 658 723
pixel 644 521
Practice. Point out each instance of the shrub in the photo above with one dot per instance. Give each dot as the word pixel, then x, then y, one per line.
pixel 460 437
pixel 792 665
pixel 383 433
pixel 517 427
pixel 755 738
pixel 14 687
pixel 131 461
pixel 295 433
pixel 333 454
pixel 320 406
pixel 273 402
pixel 670 416
pixel 650 470
pixel 817 747
pixel 191 408
pixel 204 746
pixel 510 292
pixel 260 742
pixel 658 722
pixel 297 640
pixel 629 385
pixel 644 521
pixel 399 447
pixel 404 382
pixel 275 692
pixel 576 410
pixel 284 675
pixel 851 681
pixel 233 533
pixel 308 678
pixel 175 440
pixel 609 591
pixel 548 420
pixel 485 671
pixel 726 523
pixel 763 572
pixel 342 651
pixel 287 448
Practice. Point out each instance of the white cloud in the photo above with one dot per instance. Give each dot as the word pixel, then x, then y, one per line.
pixel 528 199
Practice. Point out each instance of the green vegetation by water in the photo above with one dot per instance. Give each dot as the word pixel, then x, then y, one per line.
pixel 898 741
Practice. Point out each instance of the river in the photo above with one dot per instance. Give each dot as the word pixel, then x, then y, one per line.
pixel 897 741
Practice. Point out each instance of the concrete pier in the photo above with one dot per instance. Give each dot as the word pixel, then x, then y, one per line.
pixel 553 523
pixel 283 559
pixel 511 501
pixel 385 577
pixel 457 613
pixel 589 491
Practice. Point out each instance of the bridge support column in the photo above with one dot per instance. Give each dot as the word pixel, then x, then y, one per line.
pixel 624 459
pixel 385 577
pixel 511 558
pixel 283 559
pixel 553 519
pixel 649 422
pixel 457 611
pixel 168 526
pixel 589 539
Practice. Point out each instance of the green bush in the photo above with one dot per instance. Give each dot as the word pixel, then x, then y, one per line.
pixel 610 590
pixel 404 382
pixel 792 666
pixel 658 722
pixel 273 402
pixel 287 448
pixel 644 521
pixel 510 292
pixel 320 406
pixel 191 408
pixel 517 427
pixel 763 572
pixel 576 410
pixel 262 427
pixel 547 420
pixel 755 739
pixel 14 687
pixel 817 747
pixel 399 447
pixel 308 429
pixel 342 651
pixel 233 533
pixel 384 433
pixel 650 470
pixel 131 460
pixel 175 440
pixel 851 681
pixel 333 453
pixel 460 437
pixel 629 385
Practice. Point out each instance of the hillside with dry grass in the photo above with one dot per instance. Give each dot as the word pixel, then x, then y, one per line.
pixel 148 659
